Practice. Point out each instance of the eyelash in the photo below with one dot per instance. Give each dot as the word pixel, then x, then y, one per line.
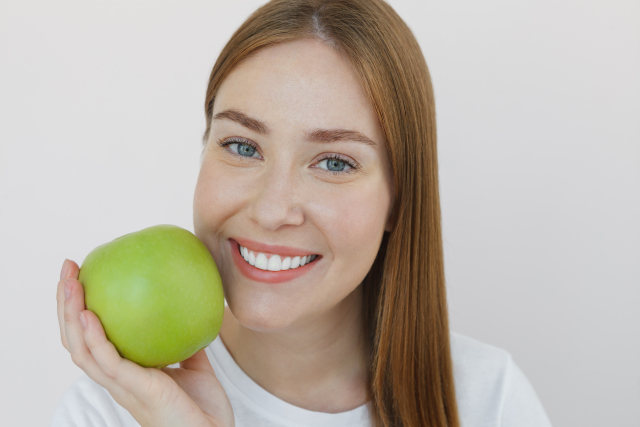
pixel 354 167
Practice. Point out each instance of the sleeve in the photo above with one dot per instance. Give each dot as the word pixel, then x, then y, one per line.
pixel 521 405
pixel 88 404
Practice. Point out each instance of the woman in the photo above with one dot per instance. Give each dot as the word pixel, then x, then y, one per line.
pixel 320 146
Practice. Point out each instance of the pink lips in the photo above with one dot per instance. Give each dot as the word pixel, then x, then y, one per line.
pixel 265 276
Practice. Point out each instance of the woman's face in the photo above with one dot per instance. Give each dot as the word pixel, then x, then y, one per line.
pixel 297 103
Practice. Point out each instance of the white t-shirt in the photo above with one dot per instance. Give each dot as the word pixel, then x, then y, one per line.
pixel 491 391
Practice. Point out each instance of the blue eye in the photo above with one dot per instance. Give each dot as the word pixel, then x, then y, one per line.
pixel 335 163
pixel 245 148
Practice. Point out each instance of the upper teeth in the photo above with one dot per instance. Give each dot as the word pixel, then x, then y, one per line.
pixel 275 262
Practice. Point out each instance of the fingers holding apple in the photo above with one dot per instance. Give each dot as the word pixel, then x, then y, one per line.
pixel 69 269
pixel 103 352
pixel 190 395
pixel 147 300
pixel 137 389
pixel 120 376
pixel 198 379
pixel 83 335
pixel 75 335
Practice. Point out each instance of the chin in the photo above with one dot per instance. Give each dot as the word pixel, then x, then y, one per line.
pixel 261 315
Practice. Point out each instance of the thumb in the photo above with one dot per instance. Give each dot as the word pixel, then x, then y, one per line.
pixel 198 362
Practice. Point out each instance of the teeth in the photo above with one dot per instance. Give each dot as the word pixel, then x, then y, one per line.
pixel 261 261
pixel 295 262
pixel 286 263
pixel 275 263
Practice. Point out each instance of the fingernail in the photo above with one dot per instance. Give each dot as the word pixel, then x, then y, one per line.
pixel 83 321
pixel 65 266
pixel 67 289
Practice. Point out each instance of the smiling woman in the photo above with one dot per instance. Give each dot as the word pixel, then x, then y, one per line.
pixel 318 199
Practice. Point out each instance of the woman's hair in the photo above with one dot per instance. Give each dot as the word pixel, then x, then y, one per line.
pixel 405 307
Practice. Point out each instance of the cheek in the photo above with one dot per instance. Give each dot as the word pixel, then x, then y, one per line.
pixel 354 221
pixel 214 199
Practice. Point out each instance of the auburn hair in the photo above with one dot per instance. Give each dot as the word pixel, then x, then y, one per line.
pixel 404 308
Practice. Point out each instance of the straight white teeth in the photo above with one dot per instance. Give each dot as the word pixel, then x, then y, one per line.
pixel 275 263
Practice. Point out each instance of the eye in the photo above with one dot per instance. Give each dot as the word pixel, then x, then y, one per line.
pixel 245 147
pixel 336 164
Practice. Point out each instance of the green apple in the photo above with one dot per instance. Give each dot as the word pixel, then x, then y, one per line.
pixel 157 293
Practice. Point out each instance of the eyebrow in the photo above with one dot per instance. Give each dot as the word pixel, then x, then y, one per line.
pixel 331 135
pixel 317 135
pixel 246 121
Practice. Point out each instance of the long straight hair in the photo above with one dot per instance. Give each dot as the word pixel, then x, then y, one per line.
pixel 404 304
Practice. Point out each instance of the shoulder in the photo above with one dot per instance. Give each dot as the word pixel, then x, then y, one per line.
pixel 480 374
pixel 491 389
pixel 472 356
pixel 86 403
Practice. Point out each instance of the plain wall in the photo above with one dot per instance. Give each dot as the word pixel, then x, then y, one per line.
pixel 538 106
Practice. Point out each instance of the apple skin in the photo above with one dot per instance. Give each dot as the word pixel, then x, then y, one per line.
pixel 157 292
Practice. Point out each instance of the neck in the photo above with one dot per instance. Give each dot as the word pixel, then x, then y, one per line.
pixel 320 366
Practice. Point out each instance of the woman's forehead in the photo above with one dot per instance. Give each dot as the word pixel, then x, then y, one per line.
pixel 300 83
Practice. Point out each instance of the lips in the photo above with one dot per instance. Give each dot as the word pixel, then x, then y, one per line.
pixel 285 251
pixel 265 276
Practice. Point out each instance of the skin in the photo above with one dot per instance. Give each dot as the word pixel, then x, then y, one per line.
pixel 300 340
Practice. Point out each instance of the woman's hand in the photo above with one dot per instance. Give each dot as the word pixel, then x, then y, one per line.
pixel 173 397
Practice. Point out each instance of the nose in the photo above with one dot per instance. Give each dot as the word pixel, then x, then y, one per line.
pixel 278 199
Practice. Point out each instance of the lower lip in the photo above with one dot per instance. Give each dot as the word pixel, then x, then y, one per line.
pixel 265 276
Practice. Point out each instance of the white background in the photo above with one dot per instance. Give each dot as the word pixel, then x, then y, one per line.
pixel 538 103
